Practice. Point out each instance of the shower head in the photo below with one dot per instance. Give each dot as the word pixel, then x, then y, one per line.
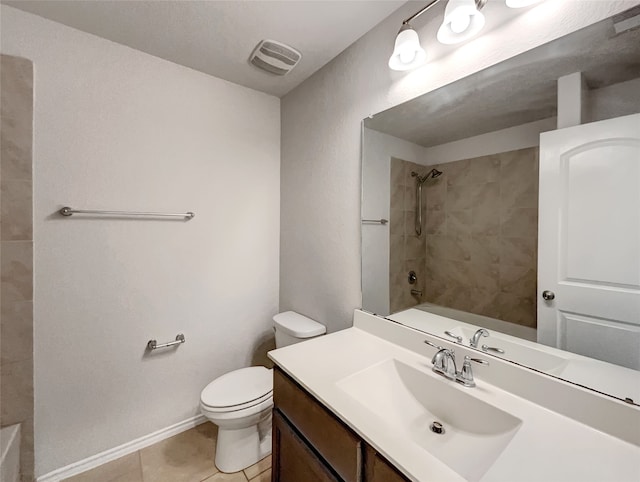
pixel 432 174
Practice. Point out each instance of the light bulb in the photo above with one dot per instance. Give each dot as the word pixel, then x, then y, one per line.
pixel 460 23
pixel 407 56
pixel 407 53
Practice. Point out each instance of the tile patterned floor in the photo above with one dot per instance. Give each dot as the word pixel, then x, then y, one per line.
pixel 186 457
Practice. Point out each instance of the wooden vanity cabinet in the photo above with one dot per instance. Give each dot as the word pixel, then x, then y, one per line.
pixel 377 469
pixel 310 444
pixel 295 460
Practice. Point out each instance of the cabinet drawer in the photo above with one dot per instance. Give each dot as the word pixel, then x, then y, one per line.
pixel 299 461
pixel 335 442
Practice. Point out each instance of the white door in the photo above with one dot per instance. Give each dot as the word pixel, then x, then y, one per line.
pixel 589 240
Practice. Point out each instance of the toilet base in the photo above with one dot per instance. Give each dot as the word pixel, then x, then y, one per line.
pixel 237 449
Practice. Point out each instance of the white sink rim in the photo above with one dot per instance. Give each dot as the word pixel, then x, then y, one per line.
pixel 407 400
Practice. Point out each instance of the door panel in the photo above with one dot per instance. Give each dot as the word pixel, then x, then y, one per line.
pixel 594 337
pixel 589 239
pixel 600 209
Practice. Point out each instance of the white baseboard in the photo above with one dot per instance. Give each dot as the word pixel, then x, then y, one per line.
pixel 122 450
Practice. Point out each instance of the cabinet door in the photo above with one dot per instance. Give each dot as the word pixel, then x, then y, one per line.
pixel 293 460
pixel 333 441
pixel 377 469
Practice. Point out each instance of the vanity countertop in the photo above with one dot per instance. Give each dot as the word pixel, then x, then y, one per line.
pixel 545 446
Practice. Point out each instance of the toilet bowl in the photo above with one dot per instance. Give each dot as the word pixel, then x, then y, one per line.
pixel 240 402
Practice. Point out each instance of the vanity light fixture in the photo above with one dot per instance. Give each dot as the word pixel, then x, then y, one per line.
pixel 407 51
pixel 462 20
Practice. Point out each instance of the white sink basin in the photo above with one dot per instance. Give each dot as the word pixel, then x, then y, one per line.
pixel 409 401
pixel 524 355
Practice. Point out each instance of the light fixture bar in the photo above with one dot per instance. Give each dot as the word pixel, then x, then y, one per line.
pixel 479 3
pixel 421 11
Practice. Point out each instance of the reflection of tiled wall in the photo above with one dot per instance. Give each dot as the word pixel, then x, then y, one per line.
pixel 482 232
pixel 16 253
pixel 407 251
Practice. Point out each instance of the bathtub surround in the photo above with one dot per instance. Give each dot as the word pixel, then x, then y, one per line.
pixel 118 129
pixel 321 133
pixel 481 236
pixel 478 250
pixel 384 190
pixel 16 254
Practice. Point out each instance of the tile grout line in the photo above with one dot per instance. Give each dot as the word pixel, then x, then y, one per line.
pixel 140 471
pixel 265 470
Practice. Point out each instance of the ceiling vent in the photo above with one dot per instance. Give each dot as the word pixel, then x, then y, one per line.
pixel 275 57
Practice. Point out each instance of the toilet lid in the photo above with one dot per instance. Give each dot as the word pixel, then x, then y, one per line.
pixel 238 387
pixel 297 325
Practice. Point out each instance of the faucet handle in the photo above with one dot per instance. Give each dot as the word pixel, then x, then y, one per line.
pixel 465 377
pixel 456 337
pixel 468 359
pixel 437 347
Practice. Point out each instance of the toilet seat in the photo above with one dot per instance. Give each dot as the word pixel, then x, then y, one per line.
pixel 235 408
pixel 238 390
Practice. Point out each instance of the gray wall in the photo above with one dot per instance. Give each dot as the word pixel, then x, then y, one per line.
pixel 115 128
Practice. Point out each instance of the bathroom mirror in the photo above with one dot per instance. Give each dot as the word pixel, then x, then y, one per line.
pixel 510 200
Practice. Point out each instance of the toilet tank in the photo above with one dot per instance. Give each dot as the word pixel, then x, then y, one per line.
pixel 292 327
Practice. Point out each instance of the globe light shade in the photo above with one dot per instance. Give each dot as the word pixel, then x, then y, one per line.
pixel 462 20
pixel 407 52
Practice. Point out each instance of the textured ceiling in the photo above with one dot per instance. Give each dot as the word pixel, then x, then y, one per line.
pixel 217 37
pixel 514 92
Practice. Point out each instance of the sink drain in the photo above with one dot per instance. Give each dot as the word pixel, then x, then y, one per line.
pixel 436 427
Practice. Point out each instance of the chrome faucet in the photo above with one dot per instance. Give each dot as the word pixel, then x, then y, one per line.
pixel 473 342
pixel 444 363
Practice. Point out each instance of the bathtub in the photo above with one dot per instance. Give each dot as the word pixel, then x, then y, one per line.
pixel 481 321
pixel 10 453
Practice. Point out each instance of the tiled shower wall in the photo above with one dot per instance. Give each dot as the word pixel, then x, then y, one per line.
pixel 407 250
pixel 16 253
pixel 480 236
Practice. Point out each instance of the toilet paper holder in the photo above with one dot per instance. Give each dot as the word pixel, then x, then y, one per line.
pixel 154 345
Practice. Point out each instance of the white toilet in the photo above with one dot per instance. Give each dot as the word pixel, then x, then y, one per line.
pixel 240 402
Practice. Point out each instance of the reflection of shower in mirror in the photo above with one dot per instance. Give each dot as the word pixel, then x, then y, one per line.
pixel 420 180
